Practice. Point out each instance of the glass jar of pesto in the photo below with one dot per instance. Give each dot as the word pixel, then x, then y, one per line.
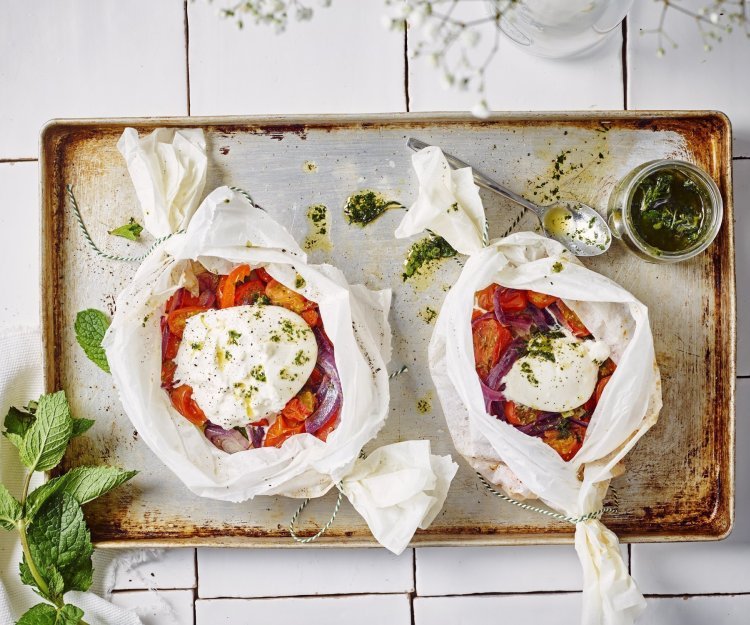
pixel 666 211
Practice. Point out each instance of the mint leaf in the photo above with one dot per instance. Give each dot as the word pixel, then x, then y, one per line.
pixel 131 230
pixel 69 615
pixel 45 441
pixel 10 509
pixel 81 426
pixel 18 422
pixel 40 614
pixel 90 326
pixel 46 614
pixel 59 540
pixel 83 483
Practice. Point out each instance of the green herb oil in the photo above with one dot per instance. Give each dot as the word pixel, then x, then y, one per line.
pixel 669 211
pixel 366 206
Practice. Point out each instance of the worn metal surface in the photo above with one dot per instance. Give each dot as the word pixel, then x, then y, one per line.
pixel 679 479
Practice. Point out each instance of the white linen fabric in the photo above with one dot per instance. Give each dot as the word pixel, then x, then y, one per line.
pixel 227 230
pixel 20 381
pixel 524 466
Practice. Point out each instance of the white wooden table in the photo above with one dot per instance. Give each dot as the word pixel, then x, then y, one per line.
pixel 87 58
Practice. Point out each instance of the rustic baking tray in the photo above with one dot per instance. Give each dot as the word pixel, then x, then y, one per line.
pixel 678 483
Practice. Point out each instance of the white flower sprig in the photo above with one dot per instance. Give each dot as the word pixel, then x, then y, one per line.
pixel 276 13
pixel 449 33
pixel 713 21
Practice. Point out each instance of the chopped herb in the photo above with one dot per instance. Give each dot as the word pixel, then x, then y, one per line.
pixel 557 267
pixel 428 314
pixel 299 282
pixel 285 375
pixel 319 237
pixel 424 251
pixel 196 346
pixel 366 206
pixel 301 358
pixel 529 373
pixel 453 208
pixel 259 373
pixel 424 405
pixel 233 336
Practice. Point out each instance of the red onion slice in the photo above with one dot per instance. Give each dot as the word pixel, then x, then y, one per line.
pixel 330 399
pixel 206 299
pixel 230 441
pixel 512 353
pixel 255 434
pixel 545 421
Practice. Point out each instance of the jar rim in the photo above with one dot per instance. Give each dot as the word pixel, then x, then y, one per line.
pixel 717 209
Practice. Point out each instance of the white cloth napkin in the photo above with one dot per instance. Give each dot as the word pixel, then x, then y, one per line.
pixel 20 381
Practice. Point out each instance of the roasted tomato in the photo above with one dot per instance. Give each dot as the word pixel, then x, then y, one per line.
pixel 170 342
pixel 513 300
pixel 263 275
pixel 567 444
pixel 608 368
pixel 540 300
pixel 282 296
pixel 182 400
pixel 572 321
pixel 490 341
pixel 182 298
pixel 282 429
pixel 600 387
pixel 248 292
pixel 328 427
pixel 518 414
pixel 168 367
pixel 228 286
pixel 484 297
pixel 300 407
pixel 312 317
pixel 177 319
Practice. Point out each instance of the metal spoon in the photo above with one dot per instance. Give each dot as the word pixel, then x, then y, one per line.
pixel 577 226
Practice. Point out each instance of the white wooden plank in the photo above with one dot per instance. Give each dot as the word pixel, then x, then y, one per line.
pixel 728 610
pixel 84 58
pixel 688 77
pixel 162 607
pixel 162 568
pixel 516 80
pixel 362 610
pixel 341 61
pixel 305 571
pixel 706 567
pixel 742 250
pixel 560 609
pixel 469 570
pixel 19 242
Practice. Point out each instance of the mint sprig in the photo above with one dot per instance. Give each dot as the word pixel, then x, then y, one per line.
pixel 90 327
pixel 55 539
pixel 131 230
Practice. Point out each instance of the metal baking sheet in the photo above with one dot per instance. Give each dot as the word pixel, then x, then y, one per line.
pixel 678 483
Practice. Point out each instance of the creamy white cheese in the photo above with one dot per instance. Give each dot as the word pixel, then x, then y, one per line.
pixel 246 362
pixel 557 374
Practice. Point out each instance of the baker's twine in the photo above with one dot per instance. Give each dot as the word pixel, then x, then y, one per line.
pixel 336 507
pixel 95 248
pixel 555 515
pixel 131 259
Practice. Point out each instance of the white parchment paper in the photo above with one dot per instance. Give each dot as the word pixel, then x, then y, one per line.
pixel 227 230
pixel 524 466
